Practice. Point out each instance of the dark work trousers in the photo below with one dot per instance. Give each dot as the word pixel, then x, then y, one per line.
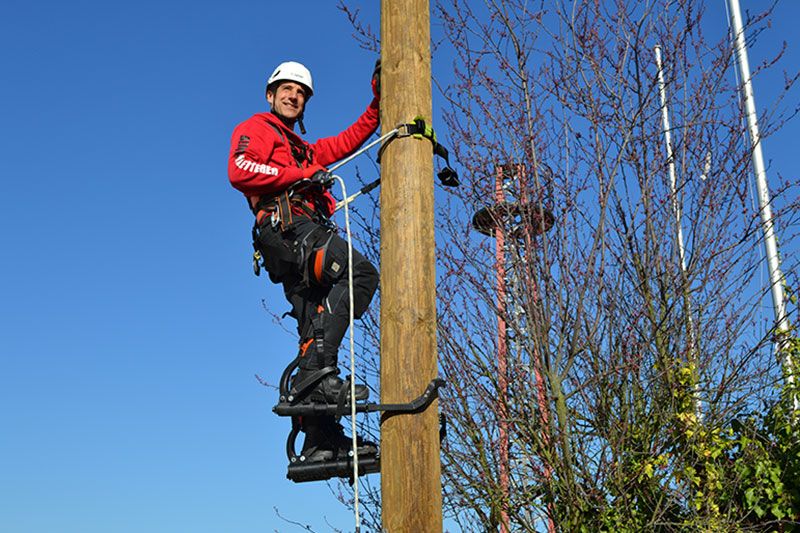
pixel 286 258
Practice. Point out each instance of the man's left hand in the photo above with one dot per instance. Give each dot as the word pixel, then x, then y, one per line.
pixel 376 80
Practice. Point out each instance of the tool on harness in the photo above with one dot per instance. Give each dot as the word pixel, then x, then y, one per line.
pixel 299 196
pixel 419 130
pixel 279 209
pixel 257 257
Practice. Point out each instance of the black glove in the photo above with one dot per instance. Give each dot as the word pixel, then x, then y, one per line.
pixel 376 80
pixel 322 178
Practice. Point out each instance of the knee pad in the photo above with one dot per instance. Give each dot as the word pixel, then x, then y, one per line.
pixel 324 268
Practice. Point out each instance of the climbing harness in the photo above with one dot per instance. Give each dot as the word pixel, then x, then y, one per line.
pixel 282 211
pixel 281 208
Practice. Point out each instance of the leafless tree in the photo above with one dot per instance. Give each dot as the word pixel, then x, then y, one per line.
pixel 623 370
pixel 617 355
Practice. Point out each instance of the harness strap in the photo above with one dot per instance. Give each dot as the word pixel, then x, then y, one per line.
pixel 319 330
pixel 288 198
pixel 284 208
pixel 301 153
pixel 284 212
pixel 314 332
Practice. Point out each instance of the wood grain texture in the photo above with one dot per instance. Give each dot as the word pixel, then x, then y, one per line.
pixel 410 463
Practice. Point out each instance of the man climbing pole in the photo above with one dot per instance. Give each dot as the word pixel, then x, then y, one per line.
pixel 285 181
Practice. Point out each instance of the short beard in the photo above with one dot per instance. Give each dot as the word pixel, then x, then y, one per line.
pixel 288 121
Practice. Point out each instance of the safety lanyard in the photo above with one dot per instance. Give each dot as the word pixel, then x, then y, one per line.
pixel 420 130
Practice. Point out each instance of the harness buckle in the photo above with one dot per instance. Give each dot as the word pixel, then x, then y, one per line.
pixel 257 262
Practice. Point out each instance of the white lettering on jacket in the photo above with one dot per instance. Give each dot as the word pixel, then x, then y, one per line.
pixel 252 166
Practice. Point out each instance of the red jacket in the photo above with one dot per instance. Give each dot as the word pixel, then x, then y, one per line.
pixel 261 161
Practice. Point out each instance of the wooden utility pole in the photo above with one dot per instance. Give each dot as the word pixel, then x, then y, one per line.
pixel 410 465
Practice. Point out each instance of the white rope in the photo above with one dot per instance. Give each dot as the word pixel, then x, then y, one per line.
pixel 352 313
pixel 352 353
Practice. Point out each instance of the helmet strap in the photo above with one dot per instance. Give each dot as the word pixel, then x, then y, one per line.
pixel 300 124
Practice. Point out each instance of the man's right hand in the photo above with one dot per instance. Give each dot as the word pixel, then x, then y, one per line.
pixel 323 178
pixel 309 172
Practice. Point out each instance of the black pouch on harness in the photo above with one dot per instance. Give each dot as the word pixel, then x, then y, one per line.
pixel 278 257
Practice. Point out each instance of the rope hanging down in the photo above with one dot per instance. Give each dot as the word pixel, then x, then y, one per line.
pixel 352 355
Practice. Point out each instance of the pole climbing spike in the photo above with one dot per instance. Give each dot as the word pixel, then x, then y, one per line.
pixel 301 469
pixel 295 402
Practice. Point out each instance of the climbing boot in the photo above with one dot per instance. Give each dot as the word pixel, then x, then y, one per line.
pixel 328 389
pixel 326 441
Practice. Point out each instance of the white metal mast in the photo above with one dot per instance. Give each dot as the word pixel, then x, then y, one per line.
pixel 775 275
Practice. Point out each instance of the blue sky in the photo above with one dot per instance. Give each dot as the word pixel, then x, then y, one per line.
pixel 132 325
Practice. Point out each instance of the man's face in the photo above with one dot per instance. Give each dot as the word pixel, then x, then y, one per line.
pixel 288 100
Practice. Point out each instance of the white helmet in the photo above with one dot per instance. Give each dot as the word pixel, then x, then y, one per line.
pixel 293 71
